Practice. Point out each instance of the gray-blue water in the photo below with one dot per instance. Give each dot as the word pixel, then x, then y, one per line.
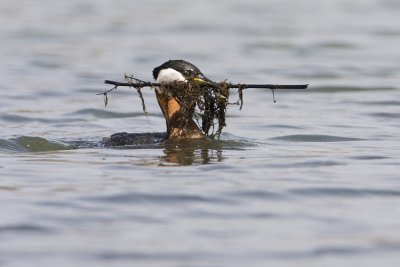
pixel 312 180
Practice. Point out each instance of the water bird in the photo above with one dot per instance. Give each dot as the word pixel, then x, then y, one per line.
pixel 179 125
pixel 178 71
pixel 181 87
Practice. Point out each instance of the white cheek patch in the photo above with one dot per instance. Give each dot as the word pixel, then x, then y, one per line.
pixel 169 75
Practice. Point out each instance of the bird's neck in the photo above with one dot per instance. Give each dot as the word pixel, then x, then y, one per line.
pixel 179 125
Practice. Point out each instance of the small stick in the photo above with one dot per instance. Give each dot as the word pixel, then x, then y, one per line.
pixel 267 86
pixel 139 84
pixel 136 84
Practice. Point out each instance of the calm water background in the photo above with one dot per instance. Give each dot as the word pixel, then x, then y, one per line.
pixel 312 180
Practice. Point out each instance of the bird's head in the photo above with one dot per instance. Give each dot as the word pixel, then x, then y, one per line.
pixel 177 71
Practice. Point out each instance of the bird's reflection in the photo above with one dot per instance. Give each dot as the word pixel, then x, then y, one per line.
pixel 183 152
pixel 191 152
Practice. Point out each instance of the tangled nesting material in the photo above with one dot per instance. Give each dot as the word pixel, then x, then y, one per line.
pixel 204 102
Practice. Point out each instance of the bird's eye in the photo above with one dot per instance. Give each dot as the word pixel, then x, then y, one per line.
pixel 189 73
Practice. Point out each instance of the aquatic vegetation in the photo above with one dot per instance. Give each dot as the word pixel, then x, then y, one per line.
pixel 200 101
pixel 204 101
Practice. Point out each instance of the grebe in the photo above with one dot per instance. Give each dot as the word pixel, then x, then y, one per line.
pixel 169 72
pixel 179 127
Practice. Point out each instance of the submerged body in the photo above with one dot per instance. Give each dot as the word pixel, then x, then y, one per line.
pixel 134 139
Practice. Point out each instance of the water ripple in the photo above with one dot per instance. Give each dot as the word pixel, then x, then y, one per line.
pixel 369 157
pixel 382 103
pixel 343 89
pixel 344 192
pixel 30 144
pixel 257 194
pixel 321 251
pixel 24 228
pixel 387 115
pixel 331 251
pixel 13 118
pixel 12 146
pixel 307 164
pixel 22 119
pixel 140 198
pixel 314 138
pixel 156 256
pixel 103 114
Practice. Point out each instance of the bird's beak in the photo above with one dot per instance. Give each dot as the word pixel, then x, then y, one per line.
pixel 203 79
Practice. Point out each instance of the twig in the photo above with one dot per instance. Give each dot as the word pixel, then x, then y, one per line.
pixel 135 85
pixel 105 94
pixel 139 84
pixel 139 91
pixel 241 86
pixel 209 97
pixel 267 86
pixel 107 91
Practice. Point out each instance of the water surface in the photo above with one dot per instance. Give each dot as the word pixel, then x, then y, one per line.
pixel 312 180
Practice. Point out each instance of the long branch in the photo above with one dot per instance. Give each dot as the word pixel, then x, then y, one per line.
pixel 230 85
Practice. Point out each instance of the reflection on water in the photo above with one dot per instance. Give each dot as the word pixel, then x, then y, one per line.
pixel 192 152
pixel 184 152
